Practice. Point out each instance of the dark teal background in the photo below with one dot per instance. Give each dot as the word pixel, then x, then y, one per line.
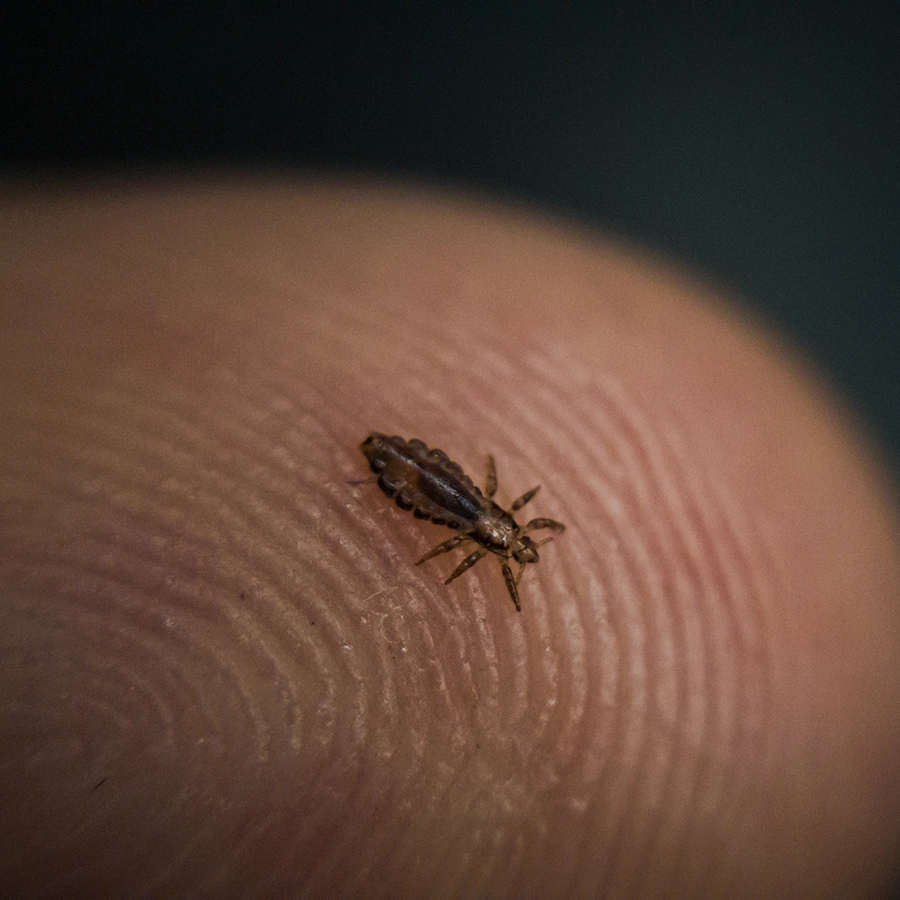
pixel 759 147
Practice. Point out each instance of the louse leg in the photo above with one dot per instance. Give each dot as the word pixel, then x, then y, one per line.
pixel 521 572
pixel 371 480
pixel 518 504
pixel 536 524
pixel 467 563
pixel 444 548
pixel 511 583
pixel 490 482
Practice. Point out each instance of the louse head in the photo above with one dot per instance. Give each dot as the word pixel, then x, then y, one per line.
pixel 528 549
pixel 527 552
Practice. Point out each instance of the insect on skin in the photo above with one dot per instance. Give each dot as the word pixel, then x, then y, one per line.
pixel 434 487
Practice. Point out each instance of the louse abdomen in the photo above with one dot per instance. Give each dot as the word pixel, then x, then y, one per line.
pixel 423 481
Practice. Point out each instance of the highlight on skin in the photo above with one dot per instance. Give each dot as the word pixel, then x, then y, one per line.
pixel 222 674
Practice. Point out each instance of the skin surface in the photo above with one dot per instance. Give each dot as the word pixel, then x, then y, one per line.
pixel 222 674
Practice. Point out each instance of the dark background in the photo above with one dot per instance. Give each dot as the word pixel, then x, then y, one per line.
pixel 760 148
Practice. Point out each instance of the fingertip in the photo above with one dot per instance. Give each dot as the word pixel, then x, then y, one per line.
pixel 699 697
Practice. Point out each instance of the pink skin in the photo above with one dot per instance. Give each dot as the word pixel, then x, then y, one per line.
pixel 224 676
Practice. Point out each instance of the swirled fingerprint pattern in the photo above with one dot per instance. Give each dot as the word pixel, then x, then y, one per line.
pixel 272 731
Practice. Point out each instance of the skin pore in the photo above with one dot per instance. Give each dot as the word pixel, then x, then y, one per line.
pixel 223 674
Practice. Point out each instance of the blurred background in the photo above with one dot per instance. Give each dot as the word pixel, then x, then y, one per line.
pixel 760 148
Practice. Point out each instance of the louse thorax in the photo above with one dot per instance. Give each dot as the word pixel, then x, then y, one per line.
pixel 496 529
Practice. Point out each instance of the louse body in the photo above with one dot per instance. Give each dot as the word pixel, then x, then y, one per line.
pixel 433 487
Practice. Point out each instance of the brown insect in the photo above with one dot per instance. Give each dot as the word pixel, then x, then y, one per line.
pixel 434 487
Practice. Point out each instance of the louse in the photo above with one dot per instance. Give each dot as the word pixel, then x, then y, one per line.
pixel 434 487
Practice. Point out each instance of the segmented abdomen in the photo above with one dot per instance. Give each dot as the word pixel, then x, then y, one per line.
pixel 425 481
